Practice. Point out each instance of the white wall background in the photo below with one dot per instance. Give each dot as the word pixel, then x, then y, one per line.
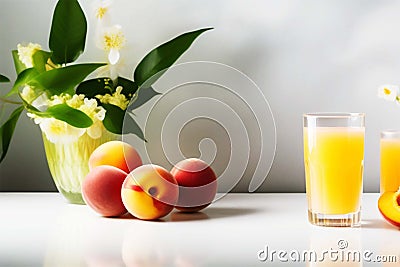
pixel 305 55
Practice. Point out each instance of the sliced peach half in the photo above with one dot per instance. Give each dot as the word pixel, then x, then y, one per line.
pixel 389 206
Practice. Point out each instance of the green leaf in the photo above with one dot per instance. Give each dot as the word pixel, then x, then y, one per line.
pixel 131 126
pixel 25 77
pixel 40 59
pixel 7 131
pixel 19 66
pixel 162 57
pixel 68 32
pixel 115 119
pixel 129 86
pixel 143 95
pixel 99 86
pixel 4 79
pixel 63 80
pixel 70 115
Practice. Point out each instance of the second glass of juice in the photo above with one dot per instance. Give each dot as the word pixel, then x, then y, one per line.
pixel 334 164
pixel 390 161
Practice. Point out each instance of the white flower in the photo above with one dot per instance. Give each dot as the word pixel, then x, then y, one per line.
pixel 76 101
pixel 25 53
pixel 109 36
pixel 59 131
pixel 97 114
pixel 102 9
pixel 112 40
pixel 388 92
pixel 90 108
pixel 116 99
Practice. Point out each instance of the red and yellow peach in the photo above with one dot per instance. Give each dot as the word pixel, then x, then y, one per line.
pixel 149 192
pixel 117 154
pixel 389 206
pixel 197 184
pixel 101 190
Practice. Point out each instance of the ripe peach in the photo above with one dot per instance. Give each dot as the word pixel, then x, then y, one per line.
pixel 197 184
pixel 389 206
pixel 101 190
pixel 117 154
pixel 149 192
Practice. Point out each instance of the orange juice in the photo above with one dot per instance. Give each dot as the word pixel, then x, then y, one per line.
pixel 334 163
pixel 390 164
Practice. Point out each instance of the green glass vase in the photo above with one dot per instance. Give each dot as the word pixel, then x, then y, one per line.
pixel 69 163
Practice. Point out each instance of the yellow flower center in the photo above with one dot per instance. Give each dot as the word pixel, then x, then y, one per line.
pixel 101 11
pixel 117 99
pixel 386 91
pixel 56 128
pixel 114 40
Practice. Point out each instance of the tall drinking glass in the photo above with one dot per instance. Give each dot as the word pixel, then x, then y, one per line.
pixel 334 164
pixel 390 161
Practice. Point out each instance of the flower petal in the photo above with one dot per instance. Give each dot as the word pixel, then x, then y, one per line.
pixel 113 56
pixel 59 131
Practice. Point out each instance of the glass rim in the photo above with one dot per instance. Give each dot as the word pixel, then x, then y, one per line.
pixel 337 115
pixel 390 133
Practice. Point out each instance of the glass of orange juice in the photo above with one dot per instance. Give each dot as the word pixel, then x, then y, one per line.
pixel 334 165
pixel 390 160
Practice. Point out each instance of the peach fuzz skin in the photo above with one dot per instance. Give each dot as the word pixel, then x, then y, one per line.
pixel 389 207
pixel 197 184
pixel 101 190
pixel 117 154
pixel 149 192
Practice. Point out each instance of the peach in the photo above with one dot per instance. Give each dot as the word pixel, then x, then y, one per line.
pixel 149 192
pixel 101 190
pixel 389 206
pixel 197 184
pixel 117 154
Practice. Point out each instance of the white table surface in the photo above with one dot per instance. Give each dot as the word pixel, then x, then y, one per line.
pixel 41 229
